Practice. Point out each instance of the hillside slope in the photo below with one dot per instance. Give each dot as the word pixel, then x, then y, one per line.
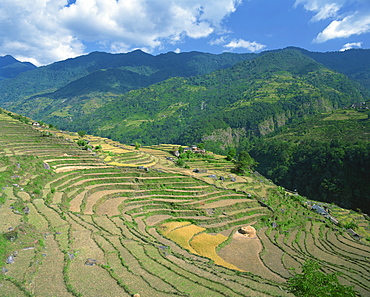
pixel 90 81
pixel 325 157
pixel 116 73
pixel 254 96
pixel 98 226
pixel 355 63
pixel 11 67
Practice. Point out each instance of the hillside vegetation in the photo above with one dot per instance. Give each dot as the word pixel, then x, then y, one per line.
pixel 255 96
pixel 326 157
pixel 66 90
pixel 89 81
pixel 10 67
pixel 107 219
pixel 353 63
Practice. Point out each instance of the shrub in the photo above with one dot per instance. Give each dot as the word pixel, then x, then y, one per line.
pixel 313 282
pixel 82 142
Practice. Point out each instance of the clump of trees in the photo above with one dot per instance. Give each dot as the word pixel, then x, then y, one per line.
pixel 245 163
pixel 81 133
pixel 313 282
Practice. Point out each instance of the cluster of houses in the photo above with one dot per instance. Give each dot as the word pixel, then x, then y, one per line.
pixel 320 210
pixel 193 148
pixel 361 105
pixel 37 124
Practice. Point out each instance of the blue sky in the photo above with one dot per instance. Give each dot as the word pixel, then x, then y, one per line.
pixel 43 32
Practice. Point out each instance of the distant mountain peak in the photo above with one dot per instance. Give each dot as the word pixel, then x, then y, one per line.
pixel 7 60
pixel 11 67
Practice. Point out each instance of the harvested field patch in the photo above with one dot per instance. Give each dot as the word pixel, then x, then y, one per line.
pixel 105 223
pixel 20 268
pixel 92 199
pixel 155 219
pixel 7 218
pixel 223 203
pixel 272 255
pixel 183 235
pixel 8 289
pixel 74 168
pixel 205 245
pixel 110 207
pixel 93 280
pixel 49 280
pixel 36 219
pixel 57 197
pixel 24 196
pixel 166 228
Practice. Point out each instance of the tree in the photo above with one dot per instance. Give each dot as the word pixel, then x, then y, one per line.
pixel 231 154
pixel 314 283
pixel 180 162
pixel 245 162
pixel 81 133
pixel 201 146
pixel 137 146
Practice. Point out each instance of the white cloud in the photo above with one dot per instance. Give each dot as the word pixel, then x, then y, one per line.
pixel 323 8
pixel 348 26
pixel 241 43
pixel 348 46
pixel 49 30
pixel 177 51
pixel 218 41
pixel 349 17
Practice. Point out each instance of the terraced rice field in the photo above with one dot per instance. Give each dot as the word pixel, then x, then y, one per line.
pixel 120 221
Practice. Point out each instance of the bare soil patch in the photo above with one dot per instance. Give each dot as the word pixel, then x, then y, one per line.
pixel 93 198
pixel 110 207
pixel 73 168
pixel 243 252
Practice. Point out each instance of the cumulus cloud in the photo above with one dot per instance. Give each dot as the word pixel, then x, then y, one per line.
pixel 349 17
pixel 323 8
pixel 356 24
pixel 348 46
pixel 59 29
pixel 241 43
pixel 31 30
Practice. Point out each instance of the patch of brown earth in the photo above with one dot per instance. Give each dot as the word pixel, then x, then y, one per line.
pixel 243 252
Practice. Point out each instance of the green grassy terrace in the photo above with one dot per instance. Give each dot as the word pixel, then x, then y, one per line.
pixel 92 222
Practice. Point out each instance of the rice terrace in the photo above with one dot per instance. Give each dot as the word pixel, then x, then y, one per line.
pixel 120 220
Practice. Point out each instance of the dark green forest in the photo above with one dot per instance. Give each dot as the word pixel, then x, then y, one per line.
pixel 257 96
pixel 325 157
pixel 86 80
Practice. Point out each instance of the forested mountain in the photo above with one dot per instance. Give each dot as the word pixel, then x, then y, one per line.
pixel 254 97
pixel 355 63
pixel 11 67
pixel 86 80
pixel 225 101
pixel 78 86
pixel 326 157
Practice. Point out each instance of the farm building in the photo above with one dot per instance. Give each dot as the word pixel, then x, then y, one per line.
pixel 320 210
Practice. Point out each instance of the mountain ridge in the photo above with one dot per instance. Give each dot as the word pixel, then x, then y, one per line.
pixel 243 96
pixel 11 67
